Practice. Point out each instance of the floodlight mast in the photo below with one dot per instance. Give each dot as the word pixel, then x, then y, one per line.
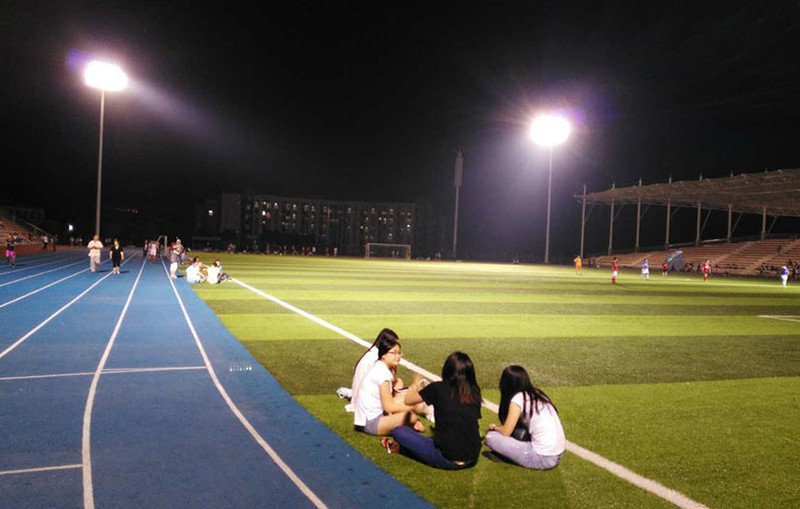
pixel 549 131
pixel 106 77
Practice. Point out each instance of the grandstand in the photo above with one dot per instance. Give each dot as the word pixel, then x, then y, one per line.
pixel 768 194
pixel 28 239
pixel 737 258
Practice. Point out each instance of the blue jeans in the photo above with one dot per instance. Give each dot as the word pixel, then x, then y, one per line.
pixel 422 449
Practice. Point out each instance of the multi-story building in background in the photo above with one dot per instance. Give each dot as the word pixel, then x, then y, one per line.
pixel 254 220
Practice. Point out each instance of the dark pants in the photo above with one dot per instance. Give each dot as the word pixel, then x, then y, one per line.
pixel 422 449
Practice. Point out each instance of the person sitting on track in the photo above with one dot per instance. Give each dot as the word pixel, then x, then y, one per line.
pixel 376 407
pixel 531 434
pixel 456 441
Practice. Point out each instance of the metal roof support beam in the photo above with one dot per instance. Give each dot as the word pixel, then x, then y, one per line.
pixel 697 233
pixel 583 219
pixel 669 215
pixel 611 229
pixel 638 219
pixel 730 218
pixel 763 223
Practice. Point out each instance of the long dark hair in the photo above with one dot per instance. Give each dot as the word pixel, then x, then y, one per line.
pixel 459 372
pixel 385 333
pixel 513 380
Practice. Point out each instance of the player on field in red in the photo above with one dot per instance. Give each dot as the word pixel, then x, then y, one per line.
pixel 614 271
pixel 706 268
pixel 664 268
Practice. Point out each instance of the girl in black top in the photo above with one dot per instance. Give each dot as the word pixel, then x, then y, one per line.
pixel 117 255
pixel 456 401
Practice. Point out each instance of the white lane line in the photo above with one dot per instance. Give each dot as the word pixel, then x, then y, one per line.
pixel 86 440
pixel 7 272
pixel 109 371
pixel 646 484
pixel 785 318
pixel 235 410
pixel 34 292
pixel 39 274
pixel 48 319
pixel 40 469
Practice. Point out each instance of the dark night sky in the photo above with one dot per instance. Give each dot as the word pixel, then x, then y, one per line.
pixel 369 100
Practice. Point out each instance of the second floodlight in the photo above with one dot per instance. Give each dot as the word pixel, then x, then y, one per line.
pixel 550 130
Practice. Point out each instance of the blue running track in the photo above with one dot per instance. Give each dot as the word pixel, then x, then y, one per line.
pixel 127 391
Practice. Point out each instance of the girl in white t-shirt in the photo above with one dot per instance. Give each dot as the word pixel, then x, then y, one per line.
pixel 531 434
pixel 377 412
pixel 364 364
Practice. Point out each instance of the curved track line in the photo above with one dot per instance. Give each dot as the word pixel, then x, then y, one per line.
pixel 644 483
pixel 6 272
pixel 34 292
pixel 47 320
pixel 86 439
pixel 40 274
pixel 235 410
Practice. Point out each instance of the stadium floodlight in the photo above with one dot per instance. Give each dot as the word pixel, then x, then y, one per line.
pixel 106 77
pixel 549 131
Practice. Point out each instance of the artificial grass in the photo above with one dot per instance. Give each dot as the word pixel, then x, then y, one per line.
pixel 610 357
pixel 573 484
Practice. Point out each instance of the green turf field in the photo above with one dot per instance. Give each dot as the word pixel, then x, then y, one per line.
pixel 677 380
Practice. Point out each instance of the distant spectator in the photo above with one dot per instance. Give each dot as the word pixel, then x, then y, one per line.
pixel 194 272
pixel 116 254
pixel 11 254
pixel 215 274
pixel 95 247
pixel 45 240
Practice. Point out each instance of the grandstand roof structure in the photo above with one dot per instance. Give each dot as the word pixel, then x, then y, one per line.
pixel 773 192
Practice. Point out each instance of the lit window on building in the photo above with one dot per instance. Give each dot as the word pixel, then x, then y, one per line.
pixel 210 212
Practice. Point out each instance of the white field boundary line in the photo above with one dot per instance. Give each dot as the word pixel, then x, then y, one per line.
pixel 40 469
pixel 235 410
pixel 109 371
pixel 48 319
pixel 34 292
pixel 644 483
pixel 785 318
pixel 65 259
pixel 86 438
pixel 40 274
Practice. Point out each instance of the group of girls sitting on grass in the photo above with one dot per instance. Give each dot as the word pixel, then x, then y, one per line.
pixel 530 435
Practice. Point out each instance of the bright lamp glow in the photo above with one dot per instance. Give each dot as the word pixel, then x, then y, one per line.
pixel 105 77
pixel 549 130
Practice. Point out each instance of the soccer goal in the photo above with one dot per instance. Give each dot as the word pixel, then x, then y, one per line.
pixel 377 250
pixel 163 243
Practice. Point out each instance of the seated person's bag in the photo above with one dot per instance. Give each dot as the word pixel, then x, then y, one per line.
pixel 521 432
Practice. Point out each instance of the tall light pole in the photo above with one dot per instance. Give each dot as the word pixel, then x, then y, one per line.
pixel 457 184
pixel 106 77
pixel 549 131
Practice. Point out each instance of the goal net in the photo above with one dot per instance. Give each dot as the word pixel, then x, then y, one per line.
pixel 163 244
pixel 376 250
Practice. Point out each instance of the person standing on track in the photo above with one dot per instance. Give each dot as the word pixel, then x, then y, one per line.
pixel 95 247
pixel 173 262
pixel 11 254
pixel 117 255
pixel 152 250
pixel 614 271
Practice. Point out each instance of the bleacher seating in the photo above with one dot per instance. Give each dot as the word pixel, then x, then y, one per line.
pixel 739 258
